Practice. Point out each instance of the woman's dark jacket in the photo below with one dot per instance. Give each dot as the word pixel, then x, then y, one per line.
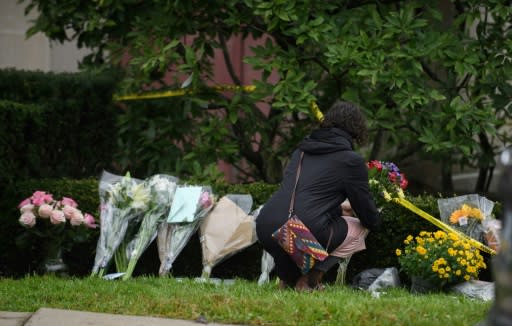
pixel 331 172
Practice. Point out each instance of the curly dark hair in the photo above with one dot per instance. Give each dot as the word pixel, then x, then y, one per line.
pixel 347 116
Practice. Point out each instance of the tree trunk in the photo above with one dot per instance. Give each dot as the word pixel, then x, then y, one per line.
pixel 446 177
pixel 486 165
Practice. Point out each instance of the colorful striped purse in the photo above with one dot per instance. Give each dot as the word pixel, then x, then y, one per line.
pixel 296 239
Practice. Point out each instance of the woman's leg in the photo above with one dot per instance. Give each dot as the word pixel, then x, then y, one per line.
pixel 316 274
pixel 286 269
pixel 327 264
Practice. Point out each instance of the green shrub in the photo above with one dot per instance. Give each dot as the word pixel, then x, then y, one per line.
pixel 398 222
pixel 19 148
pixel 56 125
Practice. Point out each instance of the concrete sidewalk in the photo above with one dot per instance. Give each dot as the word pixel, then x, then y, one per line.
pixel 59 317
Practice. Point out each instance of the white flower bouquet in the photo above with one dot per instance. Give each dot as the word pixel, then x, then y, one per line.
pixel 161 188
pixel 123 200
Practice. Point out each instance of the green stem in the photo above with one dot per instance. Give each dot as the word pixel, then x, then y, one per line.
pixel 120 258
pixel 129 270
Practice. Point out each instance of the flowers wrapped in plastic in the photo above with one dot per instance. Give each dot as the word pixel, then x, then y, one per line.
pixel 122 200
pixel 162 188
pixel 472 215
pixel 440 258
pixel 386 180
pixel 226 230
pixel 190 205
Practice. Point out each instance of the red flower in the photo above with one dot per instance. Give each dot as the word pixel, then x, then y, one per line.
pixel 392 176
pixel 375 164
pixel 403 182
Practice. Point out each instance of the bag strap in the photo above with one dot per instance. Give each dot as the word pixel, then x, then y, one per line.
pixel 292 201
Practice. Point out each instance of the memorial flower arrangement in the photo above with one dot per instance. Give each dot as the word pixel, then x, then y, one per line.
pixel 386 179
pixel 472 215
pixel 174 234
pixel 466 212
pixel 56 224
pixel 161 189
pixel 440 258
pixel 48 217
pixel 122 200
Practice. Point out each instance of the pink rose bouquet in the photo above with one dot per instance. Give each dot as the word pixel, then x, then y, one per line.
pixel 41 206
pixel 56 224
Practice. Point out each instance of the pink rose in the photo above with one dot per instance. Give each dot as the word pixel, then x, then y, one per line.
pixel 27 208
pixel 57 217
pixel 205 200
pixel 41 197
pixel 25 202
pixel 68 202
pixel 45 210
pixel 28 219
pixel 77 219
pixel 70 211
pixel 89 221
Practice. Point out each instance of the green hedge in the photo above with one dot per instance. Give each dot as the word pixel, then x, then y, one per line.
pixel 398 222
pixel 56 125
pixel 18 148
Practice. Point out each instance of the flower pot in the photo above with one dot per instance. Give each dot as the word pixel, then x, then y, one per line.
pixel 422 286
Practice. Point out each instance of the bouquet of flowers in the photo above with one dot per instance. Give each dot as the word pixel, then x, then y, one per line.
pixel 386 179
pixel 470 214
pixel 48 219
pixel 162 189
pixel 190 205
pixel 122 200
pixel 42 206
pixel 226 230
pixel 440 258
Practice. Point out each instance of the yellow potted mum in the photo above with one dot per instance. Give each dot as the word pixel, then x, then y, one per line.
pixel 439 259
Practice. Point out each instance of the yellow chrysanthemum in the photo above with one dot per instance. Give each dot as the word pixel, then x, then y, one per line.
pixel 421 250
pixel 453 236
pixel 398 252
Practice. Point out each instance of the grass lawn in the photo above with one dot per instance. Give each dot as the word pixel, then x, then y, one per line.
pixel 243 302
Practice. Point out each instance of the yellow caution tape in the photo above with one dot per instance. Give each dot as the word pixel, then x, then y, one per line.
pixel 220 88
pixel 407 204
pixel 151 95
pixel 316 111
pixel 180 92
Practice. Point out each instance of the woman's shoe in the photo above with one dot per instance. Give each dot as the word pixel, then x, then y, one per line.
pixel 315 279
pixel 303 284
